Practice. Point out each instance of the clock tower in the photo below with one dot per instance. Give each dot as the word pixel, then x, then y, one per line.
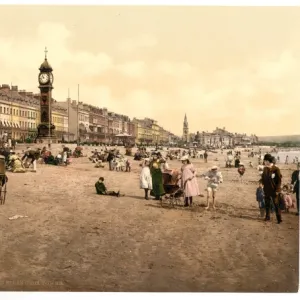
pixel 45 79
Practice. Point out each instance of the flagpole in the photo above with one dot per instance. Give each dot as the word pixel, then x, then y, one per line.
pixel 11 101
pixel 77 117
pixel 68 115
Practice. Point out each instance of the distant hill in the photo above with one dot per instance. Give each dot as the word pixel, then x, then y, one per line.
pixel 280 139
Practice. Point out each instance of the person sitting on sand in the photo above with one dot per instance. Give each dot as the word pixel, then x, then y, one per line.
pixel 99 163
pixel 102 190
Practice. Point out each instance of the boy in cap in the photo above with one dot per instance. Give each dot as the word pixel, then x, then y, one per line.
pixel 101 189
pixel 271 180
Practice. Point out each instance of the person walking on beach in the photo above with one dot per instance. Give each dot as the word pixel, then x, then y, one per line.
pixel 296 185
pixel 271 180
pixel 287 160
pixel 205 156
pixel 110 159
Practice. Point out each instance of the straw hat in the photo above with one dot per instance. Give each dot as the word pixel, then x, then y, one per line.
pixel 214 168
pixel 241 164
pixel 183 158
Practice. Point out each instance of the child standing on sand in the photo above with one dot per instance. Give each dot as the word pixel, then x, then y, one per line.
pixel 241 171
pixel 260 198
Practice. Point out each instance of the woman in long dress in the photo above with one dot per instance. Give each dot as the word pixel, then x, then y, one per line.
pixel 145 178
pixel 157 179
pixel 188 181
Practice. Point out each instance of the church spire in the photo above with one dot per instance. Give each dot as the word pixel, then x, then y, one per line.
pixel 185 129
pixel 185 122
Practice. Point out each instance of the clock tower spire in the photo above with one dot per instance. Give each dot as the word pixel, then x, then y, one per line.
pixel 45 79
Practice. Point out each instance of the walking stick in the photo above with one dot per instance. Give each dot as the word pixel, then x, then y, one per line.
pixel 4 196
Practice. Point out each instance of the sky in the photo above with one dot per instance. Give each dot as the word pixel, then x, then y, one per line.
pixel 232 67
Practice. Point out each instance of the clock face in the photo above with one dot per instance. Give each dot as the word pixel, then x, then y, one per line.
pixel 44 78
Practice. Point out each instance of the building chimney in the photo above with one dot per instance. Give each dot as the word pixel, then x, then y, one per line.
pixel 22 92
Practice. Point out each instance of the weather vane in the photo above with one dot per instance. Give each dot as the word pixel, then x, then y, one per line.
pixel 46 52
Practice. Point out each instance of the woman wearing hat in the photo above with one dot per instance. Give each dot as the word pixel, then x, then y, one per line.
pixel 271 180
pixel 157 178
pixel 188 181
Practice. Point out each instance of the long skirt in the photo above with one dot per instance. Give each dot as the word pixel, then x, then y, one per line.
pixel 157 183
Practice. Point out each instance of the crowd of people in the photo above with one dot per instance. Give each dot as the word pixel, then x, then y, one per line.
pixel 270 194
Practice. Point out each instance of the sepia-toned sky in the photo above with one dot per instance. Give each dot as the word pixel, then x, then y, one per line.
pixel 224 67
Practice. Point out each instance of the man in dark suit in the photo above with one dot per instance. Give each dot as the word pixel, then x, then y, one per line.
pixel 295 183
pixel 271 180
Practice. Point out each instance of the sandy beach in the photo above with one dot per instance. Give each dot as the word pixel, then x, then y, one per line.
pixel 75 240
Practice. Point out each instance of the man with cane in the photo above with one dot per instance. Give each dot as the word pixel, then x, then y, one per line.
pixel 296 185
pixel 271 179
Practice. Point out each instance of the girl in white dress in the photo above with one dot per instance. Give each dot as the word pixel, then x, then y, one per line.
pixel 145 178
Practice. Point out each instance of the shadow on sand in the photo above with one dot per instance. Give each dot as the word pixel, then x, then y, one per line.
pixel 224 209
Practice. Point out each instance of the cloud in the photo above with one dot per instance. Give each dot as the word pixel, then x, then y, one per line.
pixel 176 69
pixel 135 43
pixel 140 77
pixel 132 69
pixel 275 70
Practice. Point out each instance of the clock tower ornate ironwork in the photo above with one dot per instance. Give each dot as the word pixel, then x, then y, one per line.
pixel 45 79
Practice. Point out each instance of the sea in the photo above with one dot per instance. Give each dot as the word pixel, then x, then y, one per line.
pixel 283 153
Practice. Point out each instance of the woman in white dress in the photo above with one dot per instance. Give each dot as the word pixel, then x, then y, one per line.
pixel 145 178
